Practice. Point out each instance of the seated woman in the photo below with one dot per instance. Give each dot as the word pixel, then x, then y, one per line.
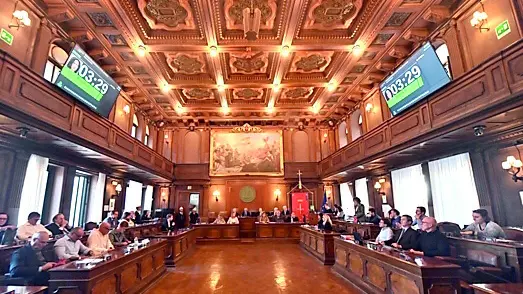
pixel 233 219
pixel 483 227
pixel 386 233
pixel 219 220
pixel 327 223
pixel 264 219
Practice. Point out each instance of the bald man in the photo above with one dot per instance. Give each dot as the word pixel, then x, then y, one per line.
pixel 98 240
pixel 431 242
pixel 29 263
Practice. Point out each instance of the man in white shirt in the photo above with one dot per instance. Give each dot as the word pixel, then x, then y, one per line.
pixel 98 240
pixel 70 247
pixel 26 231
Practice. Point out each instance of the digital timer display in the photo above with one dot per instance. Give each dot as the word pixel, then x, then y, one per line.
pixel 419 76
pixel 83 79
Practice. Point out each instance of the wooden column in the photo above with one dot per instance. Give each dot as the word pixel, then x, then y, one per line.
pixel 14 191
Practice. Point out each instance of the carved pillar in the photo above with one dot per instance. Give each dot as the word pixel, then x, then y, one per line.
pixel 67 191
pixel 17 183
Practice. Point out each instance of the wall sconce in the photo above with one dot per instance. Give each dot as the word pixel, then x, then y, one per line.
pixel 20 17
pixel 377 186
pixel 381 181
pixel 368 107
pixel 216 194
pixel 479 18
pixel 277 193
pixel 114 183
pixel 127 109
pixel 513 165
pixel 118 189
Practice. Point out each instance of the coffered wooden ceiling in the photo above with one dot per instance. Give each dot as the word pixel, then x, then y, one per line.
pixel 321 78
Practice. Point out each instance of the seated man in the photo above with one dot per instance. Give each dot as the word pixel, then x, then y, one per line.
pixel 32 226
pixel 292 219
pixel 246 212
pixel 138 215
pixel 277 217
pixel 285 212
pixel 431 242
pixel 70 247
pixel 168 223
pixel 58 226
pixel 420 215
pixel 395 218
pixel 29 263
pixel 99 241
pixel 4 225
pixel 406 238
pixel 117 236
pixel 372 217
pixel 112 219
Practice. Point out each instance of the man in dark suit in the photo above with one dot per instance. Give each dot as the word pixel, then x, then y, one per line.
pixel 180 219
pixel 58 226
pixel 168 223
pixel 138 215
pixel 431 241
pixel 406 238
pixel 285 212
pixel 29 263
pixel 246 212
pixel 194 217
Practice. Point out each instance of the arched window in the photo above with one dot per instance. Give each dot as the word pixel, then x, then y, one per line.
pixel 55 61
pixel 146 138
pixel 442 51
pixel 342 134
pixel 134 129
pixel 356 124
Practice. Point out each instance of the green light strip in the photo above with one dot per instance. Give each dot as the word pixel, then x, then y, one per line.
pixel 415 85
pixel 81 83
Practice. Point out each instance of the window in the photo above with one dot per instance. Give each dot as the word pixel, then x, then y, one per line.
pixel 362 192
pixel 146 138
pixel 134 129
pixel 342 134
pixel 443 54
pixel 356 121
pixel 33 191
pixel 79 199
pixel 56 59
pixel 148 202
pixel 453 189
pixel 347 202
pixel 409 189
pixel 194 201
pixel 133 196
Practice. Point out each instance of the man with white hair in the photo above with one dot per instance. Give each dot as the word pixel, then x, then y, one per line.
pixel 285 212
pixel 180 219
pixel 29 263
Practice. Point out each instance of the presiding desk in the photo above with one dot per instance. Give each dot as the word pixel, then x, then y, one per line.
pixel 22 289
pixel 178 244
pixel 212 232
pixel 382 270
pixel 366 230
pixel 318 243
pixel 123 273
pixel 510 253
pixel 278 231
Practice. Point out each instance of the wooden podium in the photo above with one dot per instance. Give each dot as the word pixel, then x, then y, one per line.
pixel 247 228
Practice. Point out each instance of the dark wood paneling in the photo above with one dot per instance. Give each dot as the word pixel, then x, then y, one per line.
pixel 184 172
pixel 309 170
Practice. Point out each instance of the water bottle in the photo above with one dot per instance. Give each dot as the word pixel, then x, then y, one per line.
pixel 135 240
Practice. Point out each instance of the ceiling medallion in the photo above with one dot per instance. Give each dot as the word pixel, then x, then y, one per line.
pixel 183 63
pixel 235 13
pixel 332 14
pixel 298 93
pixel 314 62
pixel 247 94
pixel 171 15
pixel 198 94
pixel 246 128
pixel 249 64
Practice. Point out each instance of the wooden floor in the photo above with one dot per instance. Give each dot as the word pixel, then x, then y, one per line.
pixel 250 268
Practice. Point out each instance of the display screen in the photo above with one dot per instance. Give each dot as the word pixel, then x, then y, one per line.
pixel 83 79
pixel 419 76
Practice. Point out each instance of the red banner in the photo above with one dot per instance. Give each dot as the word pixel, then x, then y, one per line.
pixel 300 204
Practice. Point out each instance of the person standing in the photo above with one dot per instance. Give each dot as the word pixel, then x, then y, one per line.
pixel 138 215
pixel 180 219
pixel 359 210
pixel 194 217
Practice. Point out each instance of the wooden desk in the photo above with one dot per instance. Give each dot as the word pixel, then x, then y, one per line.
pixel 143 230
pixel 124 273
pixel 210 232
pixel 385 271
pixel 514 233
pixel 509 254
pixel 5 257
pixel 22 289
pixel 366 230
pixel 318 243
pixel 278 231
pixel 497 288
pixel 248 227
pixel 178 245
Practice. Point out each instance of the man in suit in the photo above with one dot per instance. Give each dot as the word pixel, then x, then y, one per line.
pixel 431 242
pixel 112 219
pixel 29 263
pixel 406 238
pixel 246 212
pixel 194 217
pixel 180 219
pixel 58 226
pixel 285 212
pixel 168 223
pixel 138 215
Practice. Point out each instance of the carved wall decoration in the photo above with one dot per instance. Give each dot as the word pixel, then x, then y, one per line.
pixel 170 15
pixel 298 93
pixel 248 94
pixel 397 19
pixel 248 63
pixel 382 39
pixel 306 62
pixel 332 14
pixel 101 19
pixel 186 63
pixel 116 40
pixel 234 13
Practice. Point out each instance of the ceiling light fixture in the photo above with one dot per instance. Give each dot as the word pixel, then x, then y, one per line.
pixel 331 87
pixel 270 109
pixel 166 88
pixel 221 87
pixel 513 166
pixel 213 51
pixel 179 110
pixel 357 50
pixel 276 87
pixel 479 18
pixel 285 51
pixel 368 107
pixel 225 109
pixel 141 51
pixel 251 22
pixel 315 109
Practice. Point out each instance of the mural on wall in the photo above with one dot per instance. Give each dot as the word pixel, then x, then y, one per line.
pixel 246 150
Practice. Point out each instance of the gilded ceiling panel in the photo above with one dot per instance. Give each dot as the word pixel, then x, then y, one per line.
pixel 308 62
pixel 199 96
pixel 234 13
pixel 248 95
pixel 248 63
pixel 332 14
pixel 170 15
pixel 186 63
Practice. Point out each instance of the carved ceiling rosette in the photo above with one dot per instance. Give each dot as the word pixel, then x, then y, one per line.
pixel 307 62
pixel 170 15
pixel 198 94
pixel 186 63
pixel 332 14
pixel 234 13
pixel 247 94
pixel 247 63
pixel 298 93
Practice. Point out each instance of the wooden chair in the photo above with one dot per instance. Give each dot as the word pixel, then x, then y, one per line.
pixel 449 229
pixel 515 234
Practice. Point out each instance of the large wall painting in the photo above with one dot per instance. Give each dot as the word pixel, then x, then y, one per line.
pixel 246 150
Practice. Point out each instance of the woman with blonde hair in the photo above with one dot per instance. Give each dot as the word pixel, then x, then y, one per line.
pixel 264 219
pixel 233 219
pixel 219 220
